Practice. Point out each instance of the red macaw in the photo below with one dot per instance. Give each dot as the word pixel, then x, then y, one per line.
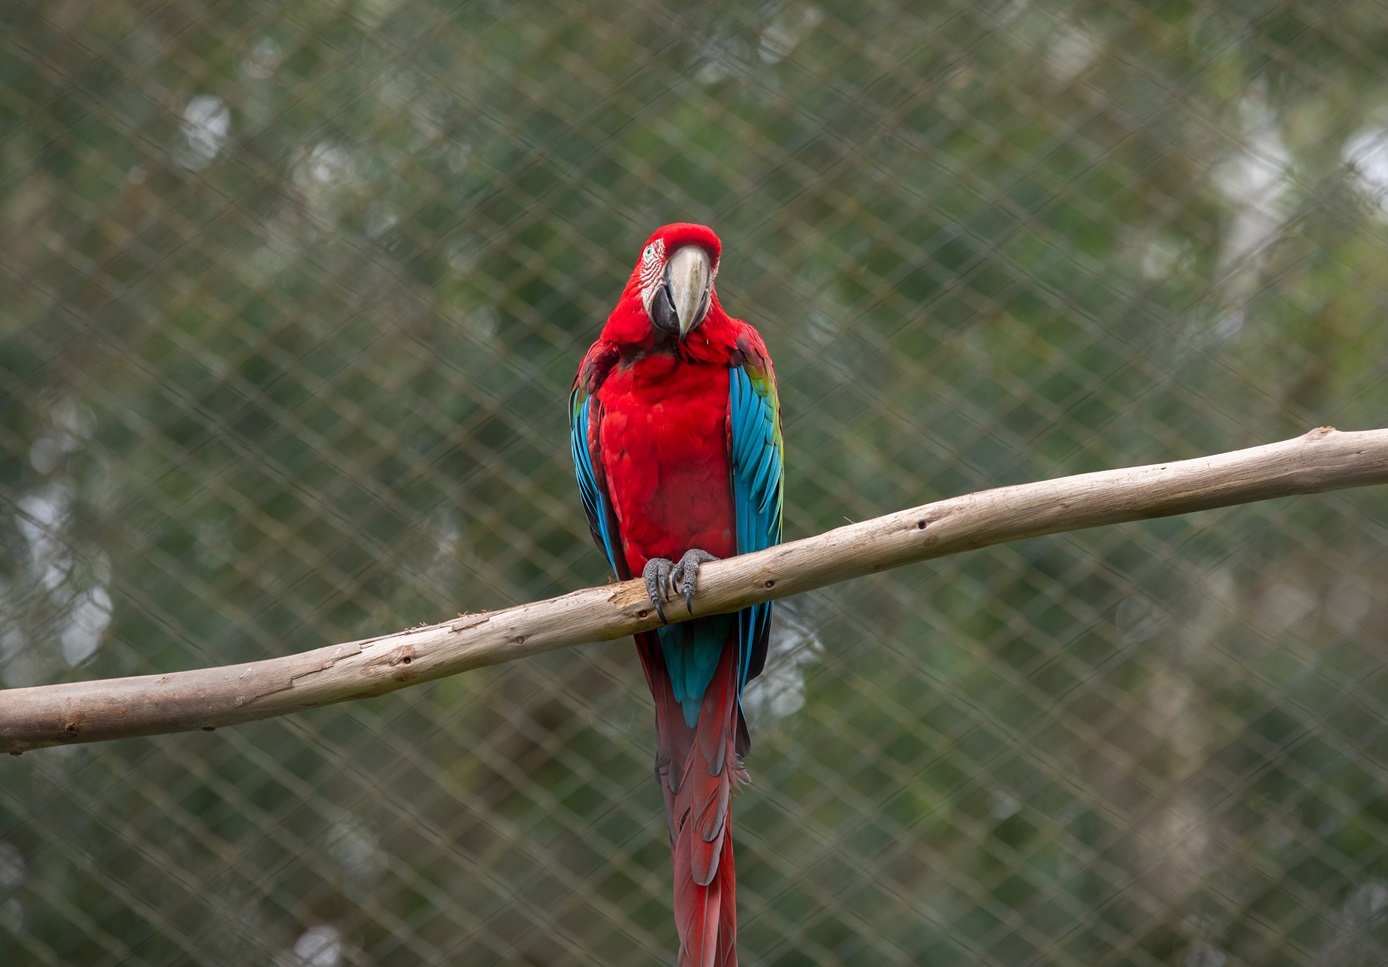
pixel 676 435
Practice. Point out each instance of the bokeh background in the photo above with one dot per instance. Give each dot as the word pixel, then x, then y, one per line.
pixel 291 295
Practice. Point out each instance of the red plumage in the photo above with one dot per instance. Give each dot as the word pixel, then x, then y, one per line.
pixel 663 437
pixel 659 440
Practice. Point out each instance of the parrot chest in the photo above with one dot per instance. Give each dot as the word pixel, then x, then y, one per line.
pixel 663 441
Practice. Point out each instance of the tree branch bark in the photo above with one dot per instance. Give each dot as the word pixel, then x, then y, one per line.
pixel 208 698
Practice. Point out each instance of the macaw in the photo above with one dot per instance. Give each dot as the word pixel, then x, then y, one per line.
pixel 676 436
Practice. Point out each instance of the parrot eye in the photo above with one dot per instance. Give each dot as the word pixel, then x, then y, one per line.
pixel 663 310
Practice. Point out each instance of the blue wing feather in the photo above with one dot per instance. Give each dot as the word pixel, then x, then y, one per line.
pixel 758 488
pixel 595 502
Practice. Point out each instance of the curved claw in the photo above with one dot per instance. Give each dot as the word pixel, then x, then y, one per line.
pixel 684 576
pixel 664 579
pixel 656 574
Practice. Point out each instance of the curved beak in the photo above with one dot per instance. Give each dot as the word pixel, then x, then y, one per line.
pixel 690 277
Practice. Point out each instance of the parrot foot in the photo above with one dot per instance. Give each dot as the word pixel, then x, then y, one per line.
pixel 665 579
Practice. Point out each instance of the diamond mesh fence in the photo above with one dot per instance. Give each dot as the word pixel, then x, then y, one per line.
pixel 291 295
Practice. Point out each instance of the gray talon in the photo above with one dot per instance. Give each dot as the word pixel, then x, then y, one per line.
pixel 656 575
pixel 665 579
pixel 684 576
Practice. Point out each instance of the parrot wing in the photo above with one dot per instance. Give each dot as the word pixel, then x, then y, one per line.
pixel 757 464
pixel 585 414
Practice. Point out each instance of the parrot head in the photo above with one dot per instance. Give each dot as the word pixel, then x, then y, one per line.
pixel 674 278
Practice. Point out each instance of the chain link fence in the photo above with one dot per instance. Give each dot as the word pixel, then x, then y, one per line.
pixel 291 295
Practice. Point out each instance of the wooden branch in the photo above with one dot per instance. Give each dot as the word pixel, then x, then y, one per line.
pixel 208 698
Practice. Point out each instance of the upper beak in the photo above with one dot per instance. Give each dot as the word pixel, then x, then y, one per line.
pixel 691 281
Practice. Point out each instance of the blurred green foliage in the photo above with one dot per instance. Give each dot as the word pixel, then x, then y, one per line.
pixel 290 299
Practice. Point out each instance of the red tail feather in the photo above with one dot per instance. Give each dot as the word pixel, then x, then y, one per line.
pixel 696 769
